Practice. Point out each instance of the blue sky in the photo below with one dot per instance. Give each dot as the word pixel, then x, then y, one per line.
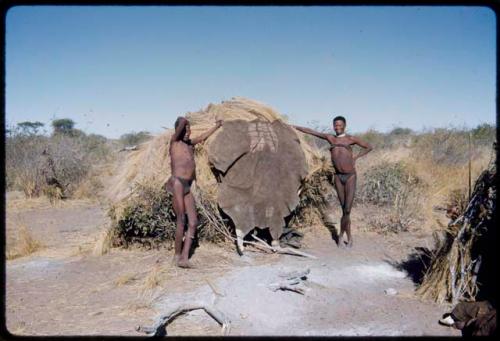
pixel 119 69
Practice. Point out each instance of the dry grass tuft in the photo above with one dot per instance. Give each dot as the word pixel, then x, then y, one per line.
pixel 152 280
pixel 104 242
pixel 125 279
pixel 24 244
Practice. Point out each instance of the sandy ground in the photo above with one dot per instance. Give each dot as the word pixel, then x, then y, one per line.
pixel 63 290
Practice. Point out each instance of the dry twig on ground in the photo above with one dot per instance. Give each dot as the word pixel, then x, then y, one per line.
pixel 159 328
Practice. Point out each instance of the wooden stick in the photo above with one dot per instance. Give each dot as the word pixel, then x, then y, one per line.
pixel 160 328
pixel 267 249
pixel 470 165
pixel 259 240
pixel 282 250
pixel 213 288
pixel 290 288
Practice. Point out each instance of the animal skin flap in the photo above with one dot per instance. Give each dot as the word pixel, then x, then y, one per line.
pixel 264 165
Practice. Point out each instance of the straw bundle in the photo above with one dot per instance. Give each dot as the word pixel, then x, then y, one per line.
pixel 150 165
pixel 459 258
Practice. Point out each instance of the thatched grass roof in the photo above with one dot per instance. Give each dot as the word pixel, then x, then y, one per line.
pixel 151 164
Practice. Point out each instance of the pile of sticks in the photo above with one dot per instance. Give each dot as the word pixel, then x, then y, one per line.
pixel 291 281
pixel 261 244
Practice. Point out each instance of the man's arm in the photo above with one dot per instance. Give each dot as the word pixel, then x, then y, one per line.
pixel 206 134
pixel 365 145
pixel 312 132
pixel 176 136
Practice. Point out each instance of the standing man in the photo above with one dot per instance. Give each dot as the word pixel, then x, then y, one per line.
pixel 343 161
pixel 179 184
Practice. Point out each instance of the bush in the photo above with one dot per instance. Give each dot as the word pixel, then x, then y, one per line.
pixel 97 147
pixel 443 146
pixel 133 138
pixel 377 139
pixel 54 166
pixel 70 162
pixel 484 134
pixel 24 163
pixel 384 183
pixel 396 192
pixel 398 131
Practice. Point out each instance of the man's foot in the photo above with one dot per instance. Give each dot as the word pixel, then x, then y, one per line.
pixel 185 264
pixel 349 243
pixel 341 243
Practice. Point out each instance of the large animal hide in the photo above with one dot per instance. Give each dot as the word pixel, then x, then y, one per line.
pixel 262 165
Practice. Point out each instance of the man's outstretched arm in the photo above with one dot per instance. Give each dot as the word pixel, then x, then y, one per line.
pixel 205 135
pixel 365 145
pixel 311 132
pixel 176 136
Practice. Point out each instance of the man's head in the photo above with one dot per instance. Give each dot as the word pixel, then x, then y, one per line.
pixel 339 125
pixel 186 132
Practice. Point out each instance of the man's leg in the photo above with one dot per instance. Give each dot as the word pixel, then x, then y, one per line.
pixel 180 214
pixel 190 207
pixel 350 190
pixel 339 188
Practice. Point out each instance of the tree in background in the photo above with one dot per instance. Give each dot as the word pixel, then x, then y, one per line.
pixel 484 133
pixel 64 126
pixel 29 128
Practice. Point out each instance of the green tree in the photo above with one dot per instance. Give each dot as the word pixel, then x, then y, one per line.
pixel 484 133
pixel 29 128
pixel 63 126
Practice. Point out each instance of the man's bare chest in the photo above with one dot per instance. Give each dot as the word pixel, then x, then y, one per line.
pixel 181 150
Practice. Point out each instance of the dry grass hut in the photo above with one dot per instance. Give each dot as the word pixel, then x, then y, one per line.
pixel 462 264
pixel 141 209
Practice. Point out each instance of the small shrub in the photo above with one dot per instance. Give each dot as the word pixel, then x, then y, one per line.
pixel 396 192
pixel 133 138
pixel 377 139
pixel 385 183
pixel 398 131
pixel 55 166
pixel 25 244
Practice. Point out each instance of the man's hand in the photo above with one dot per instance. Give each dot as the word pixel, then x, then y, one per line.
pixel 206 134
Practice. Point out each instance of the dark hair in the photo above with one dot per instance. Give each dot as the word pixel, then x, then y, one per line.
pixel 339 118
pixel 178 121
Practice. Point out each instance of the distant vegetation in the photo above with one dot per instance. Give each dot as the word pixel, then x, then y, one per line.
pixel 407 172
pixel 54 165
pixel 133 138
